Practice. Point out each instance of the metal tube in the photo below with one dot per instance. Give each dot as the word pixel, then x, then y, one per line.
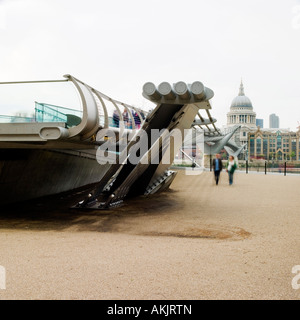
pixel 150 90
pixel 198 90
pixel 166 91
pixel 182 90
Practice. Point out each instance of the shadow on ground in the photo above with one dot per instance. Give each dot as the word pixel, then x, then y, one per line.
pixel 159 215
pixel 57 212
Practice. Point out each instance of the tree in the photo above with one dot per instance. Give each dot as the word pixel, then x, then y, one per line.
pixel 292 155
pixel 271 155
pixel 224 156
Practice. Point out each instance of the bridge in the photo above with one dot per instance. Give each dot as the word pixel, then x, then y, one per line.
pixel 88 132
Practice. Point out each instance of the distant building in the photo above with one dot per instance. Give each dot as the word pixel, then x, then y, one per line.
pixel 273 121
pixel 260 123
pixel 241 114
pixel 280 144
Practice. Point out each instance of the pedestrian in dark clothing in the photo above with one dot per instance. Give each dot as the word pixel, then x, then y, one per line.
pixel 116 119
pixel 217 167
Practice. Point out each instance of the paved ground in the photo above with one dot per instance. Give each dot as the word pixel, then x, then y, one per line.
pixel 196 241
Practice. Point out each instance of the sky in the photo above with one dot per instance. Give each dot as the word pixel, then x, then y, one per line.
pixel 116 46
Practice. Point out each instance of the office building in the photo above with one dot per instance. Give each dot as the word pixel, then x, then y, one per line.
pixel 260 123
pixel 274 144
pixel 273 121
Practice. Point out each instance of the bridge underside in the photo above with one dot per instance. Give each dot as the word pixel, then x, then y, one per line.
pixel 135 169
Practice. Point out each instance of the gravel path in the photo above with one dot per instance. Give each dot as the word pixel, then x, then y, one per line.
pixel 196 241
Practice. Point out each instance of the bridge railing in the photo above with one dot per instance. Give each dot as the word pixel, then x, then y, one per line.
pixel 266 167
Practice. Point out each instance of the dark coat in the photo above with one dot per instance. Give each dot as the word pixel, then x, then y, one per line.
pixel 220 164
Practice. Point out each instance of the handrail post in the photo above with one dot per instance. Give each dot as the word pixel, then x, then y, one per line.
pixel 265 167
pixel 285 168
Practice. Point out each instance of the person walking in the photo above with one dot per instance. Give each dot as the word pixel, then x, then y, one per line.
pixel 231 166
pixel 217 167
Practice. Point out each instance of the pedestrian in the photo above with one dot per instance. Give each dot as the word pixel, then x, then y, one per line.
pixel 217 167
pixel 231 166
pixel 126 119
pixel 116 119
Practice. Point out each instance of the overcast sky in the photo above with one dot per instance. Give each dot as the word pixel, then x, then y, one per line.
pixel 116 46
